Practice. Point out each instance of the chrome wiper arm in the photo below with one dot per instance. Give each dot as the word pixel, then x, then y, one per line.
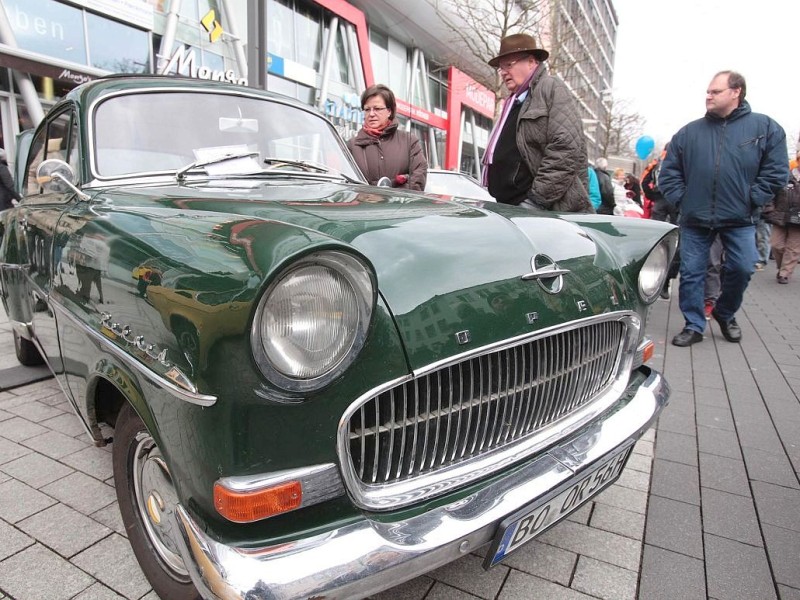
pixel 277 163
pixel 307 164
pixel 180 174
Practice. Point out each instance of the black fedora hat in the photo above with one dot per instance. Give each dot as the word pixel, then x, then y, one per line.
pixel 519 42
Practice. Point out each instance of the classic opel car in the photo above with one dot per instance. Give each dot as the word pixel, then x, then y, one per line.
pixel 317 388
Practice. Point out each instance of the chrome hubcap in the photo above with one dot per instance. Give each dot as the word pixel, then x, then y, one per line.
pixel 156 500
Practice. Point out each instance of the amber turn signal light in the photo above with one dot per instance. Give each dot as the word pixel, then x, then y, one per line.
pixel 246 507
pixel 647 352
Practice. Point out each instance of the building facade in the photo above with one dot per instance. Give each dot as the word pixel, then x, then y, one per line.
pixel 322 52
pixel 582 36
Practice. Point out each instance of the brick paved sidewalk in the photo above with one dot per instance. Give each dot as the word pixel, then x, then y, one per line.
pixel 722 516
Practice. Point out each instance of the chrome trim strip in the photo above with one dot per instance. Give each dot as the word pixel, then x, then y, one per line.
pixel 370 555
pixel 319 482
pixel 191 396
pixel 383 497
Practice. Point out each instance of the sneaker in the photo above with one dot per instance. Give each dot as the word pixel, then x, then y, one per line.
pixel 709 307
pixel 760 266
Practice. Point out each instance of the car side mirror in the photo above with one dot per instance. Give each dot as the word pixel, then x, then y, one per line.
pixel 54 175
pixel 384 182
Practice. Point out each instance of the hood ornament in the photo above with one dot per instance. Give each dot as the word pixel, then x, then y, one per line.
pixel 547 274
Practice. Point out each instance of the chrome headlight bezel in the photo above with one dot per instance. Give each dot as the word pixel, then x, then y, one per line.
pixel 346 273
pixel 655 268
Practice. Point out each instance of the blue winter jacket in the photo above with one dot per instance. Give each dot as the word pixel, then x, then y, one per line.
pixel 720 172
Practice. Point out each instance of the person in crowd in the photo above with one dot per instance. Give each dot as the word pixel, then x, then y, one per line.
pixel 713 283
pixel 631 185
pixel 720 171
pixel 8 193
pixel 661 209
pixel 594 189
pixel 381 149
pixel 606 187
pixel 536 153
pixel 763 232
pixel 620 193
pixel 784 215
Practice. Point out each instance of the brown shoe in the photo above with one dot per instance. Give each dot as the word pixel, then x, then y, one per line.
pixel 782 279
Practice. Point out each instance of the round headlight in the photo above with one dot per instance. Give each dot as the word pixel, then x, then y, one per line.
pixel 313 320
pixel 654 271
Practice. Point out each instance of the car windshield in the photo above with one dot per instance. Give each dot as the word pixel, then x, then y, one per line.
pixel 166 131
pixel 455 184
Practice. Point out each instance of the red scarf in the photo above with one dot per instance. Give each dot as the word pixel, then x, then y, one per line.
pixel 378 131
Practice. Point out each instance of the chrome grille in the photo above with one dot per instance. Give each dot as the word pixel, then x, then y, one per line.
pixel 467 410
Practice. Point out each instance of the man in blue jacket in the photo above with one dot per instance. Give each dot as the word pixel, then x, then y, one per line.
pixel 720 171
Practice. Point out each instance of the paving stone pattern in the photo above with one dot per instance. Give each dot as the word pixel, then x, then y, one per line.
pixel 706 508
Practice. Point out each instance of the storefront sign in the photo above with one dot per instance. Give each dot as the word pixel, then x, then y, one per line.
pixel 135 12
pixel 420 114
pixel 183 61
pixel 61 74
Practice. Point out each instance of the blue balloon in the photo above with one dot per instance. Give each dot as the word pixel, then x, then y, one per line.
pixel 644 146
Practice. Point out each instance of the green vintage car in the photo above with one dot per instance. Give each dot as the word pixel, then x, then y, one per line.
pixel 315 387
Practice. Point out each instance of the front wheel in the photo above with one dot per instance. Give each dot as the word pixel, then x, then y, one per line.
pixel 147 501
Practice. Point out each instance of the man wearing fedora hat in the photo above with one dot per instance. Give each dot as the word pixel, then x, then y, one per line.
pixel 536 155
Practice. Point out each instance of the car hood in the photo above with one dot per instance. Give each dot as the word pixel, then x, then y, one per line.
pixel 443 267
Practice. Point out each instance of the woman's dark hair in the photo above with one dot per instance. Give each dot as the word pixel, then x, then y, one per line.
pixel 386 95
pixel 735 82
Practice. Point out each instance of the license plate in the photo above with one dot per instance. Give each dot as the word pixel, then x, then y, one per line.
pixel 533 520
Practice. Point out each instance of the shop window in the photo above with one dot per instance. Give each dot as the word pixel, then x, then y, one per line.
pixel 48 27
pixel 280 28
pixel 378 45
pixel 341 68
pixel 116 47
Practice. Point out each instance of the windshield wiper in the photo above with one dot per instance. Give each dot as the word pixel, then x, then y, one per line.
pixel 277 163
pixel 180 174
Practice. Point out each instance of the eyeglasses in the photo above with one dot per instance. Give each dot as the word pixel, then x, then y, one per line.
pixel 507 66
pixel 716 92
pixel 374 109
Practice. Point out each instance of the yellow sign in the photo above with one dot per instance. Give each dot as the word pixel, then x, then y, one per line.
pixel 212 26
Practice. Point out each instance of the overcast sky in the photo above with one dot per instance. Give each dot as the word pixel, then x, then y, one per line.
pixel 669 50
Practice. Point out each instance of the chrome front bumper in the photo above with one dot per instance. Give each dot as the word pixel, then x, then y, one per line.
pixel 369 556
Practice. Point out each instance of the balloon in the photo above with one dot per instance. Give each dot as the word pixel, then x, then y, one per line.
pixel 644 146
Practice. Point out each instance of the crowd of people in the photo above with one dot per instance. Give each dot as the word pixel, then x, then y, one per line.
pixel 724 179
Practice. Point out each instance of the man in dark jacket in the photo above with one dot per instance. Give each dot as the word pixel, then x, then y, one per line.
pixel 719 172
pixel 607 202
pixel 536 154
pixel 7 191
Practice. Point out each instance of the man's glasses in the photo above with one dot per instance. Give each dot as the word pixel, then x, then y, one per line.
pixel 374 109
pixel 505 67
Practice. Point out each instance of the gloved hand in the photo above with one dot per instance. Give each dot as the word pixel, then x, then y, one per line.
pixel 401 179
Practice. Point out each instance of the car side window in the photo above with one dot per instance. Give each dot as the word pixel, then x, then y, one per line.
pixel 36 156
pixel 61 135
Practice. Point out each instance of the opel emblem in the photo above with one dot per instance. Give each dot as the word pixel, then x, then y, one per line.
pixel 547 273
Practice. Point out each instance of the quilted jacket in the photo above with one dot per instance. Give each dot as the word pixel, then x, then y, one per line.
pixel 551 140
pixel 394 153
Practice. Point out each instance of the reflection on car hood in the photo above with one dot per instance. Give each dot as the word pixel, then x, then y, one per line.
pixel 442 267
